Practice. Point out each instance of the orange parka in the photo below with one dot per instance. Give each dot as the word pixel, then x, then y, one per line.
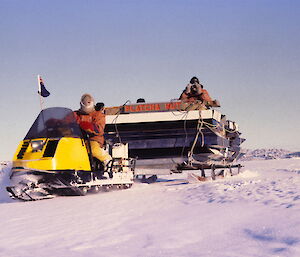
pixel 201 94
pixel 93 124
pixel 98 118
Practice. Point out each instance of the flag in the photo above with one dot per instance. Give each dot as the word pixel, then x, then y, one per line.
pixel 42 89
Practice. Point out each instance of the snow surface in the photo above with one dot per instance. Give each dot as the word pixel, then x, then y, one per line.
pixel 253 214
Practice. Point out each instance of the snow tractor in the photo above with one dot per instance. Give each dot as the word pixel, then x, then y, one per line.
pixel 55 159
pixel 174 136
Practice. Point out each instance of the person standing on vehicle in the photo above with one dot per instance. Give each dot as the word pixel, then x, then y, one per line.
pixel 85 118
pixel 98 118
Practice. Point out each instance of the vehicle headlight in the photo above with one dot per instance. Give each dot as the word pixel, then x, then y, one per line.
pixel 37 145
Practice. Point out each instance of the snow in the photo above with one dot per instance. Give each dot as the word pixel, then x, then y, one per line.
pixel 267 154
pixel 255 213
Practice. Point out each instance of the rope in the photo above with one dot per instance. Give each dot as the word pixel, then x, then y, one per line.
pixel 115 121
pixel 186 134
pixel 199 131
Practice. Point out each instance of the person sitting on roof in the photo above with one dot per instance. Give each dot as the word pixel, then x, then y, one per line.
pixel 194 91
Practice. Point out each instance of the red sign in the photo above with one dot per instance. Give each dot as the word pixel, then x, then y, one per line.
pixel 152 107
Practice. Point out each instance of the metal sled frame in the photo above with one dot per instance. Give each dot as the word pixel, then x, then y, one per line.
pixel 216 169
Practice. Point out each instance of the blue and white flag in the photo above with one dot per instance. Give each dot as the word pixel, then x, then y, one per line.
pixel 42 89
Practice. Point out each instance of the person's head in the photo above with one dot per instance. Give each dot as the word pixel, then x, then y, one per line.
pixel 87 103
pixel 140 100
pixel 99 106
pixel 194 80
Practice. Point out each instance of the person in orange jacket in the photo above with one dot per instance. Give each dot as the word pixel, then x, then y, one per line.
pixel 194 91
pixel 93 122
pixel 98 118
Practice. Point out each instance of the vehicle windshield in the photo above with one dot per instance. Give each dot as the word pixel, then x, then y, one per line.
pixel 53 123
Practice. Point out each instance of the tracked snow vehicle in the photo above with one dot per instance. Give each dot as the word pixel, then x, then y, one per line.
pixel 54 159
pixel 175 135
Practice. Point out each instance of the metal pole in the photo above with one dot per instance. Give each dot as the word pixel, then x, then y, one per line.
pixel 40 92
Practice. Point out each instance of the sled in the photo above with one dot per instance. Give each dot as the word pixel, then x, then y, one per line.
pixel 166 134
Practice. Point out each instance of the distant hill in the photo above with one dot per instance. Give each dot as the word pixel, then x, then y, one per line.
pixel 268 154
pixel 293 155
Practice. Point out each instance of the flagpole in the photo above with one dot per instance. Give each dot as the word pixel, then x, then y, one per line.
pixel 40 92
pixel 41 99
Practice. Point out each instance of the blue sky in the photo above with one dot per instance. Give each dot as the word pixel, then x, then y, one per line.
pixel 246 53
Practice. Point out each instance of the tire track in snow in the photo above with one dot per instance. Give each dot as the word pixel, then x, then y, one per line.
pixel 275 192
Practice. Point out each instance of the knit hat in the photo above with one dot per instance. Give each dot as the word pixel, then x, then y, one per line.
pixel 194 80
